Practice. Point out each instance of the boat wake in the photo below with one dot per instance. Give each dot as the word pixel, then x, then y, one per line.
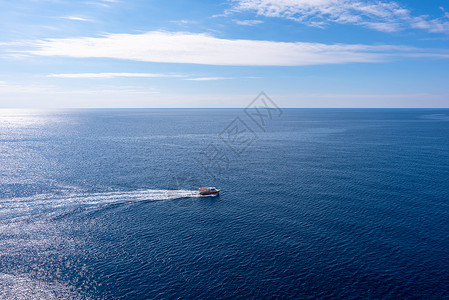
pixel 51 203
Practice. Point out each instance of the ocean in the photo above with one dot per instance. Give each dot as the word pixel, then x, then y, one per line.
pixel 314 203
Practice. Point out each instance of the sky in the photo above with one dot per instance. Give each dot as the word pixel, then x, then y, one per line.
pixel 184 53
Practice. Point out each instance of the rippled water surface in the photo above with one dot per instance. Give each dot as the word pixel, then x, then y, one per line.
pixel 328 203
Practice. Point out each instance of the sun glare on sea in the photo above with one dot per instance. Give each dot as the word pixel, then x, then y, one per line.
pixel 10 118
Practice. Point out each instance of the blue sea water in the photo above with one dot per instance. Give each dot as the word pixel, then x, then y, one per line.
pixel 315 203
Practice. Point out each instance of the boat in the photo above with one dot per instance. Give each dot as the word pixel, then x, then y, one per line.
pixel 210 190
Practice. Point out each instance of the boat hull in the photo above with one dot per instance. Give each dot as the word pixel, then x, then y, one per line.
pixel 209 193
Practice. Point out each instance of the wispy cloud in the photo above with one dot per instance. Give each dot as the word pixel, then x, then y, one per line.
pixel 184 22
pixel 111 75
pixel 18 88
pixel 192 48
pixel 103 3
pixel 248 22
pixel 74 18
pixel 25 88
pixel 388 16
pixel 136 75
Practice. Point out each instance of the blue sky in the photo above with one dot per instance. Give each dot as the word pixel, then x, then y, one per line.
pixel 302 53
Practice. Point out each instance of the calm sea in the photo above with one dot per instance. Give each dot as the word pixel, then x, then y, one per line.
pixel 315 203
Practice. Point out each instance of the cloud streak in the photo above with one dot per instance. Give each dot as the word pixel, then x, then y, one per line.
pixel 111 75
pixel 248 22
pixel 387 16
pixel 193 48
pixel 74 18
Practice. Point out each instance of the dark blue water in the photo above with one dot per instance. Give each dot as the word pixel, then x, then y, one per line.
pixel 315 204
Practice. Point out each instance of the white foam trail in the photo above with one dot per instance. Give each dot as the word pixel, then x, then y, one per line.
pixel 129 196
pixel 49 202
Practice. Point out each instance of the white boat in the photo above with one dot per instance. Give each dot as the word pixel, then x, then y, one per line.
pixel 210 190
